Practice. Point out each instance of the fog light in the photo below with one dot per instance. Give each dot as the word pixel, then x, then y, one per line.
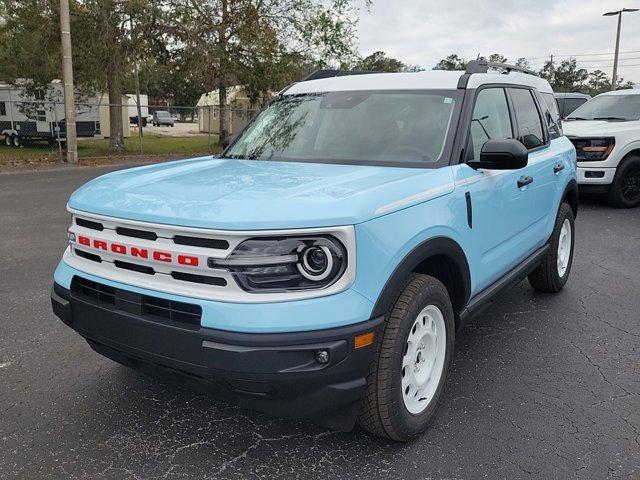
pixel 72 237
pixel 322 356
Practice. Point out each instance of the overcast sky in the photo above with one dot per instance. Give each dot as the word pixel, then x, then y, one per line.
pixel 420 32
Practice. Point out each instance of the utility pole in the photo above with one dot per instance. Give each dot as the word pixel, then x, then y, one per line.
pixel 67 79
pixel 614 77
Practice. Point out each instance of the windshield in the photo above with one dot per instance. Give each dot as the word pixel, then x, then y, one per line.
pixel 162 114
pixel 396 128
pixel 609 107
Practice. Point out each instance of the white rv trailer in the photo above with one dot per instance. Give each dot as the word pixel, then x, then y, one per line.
pixel 25 119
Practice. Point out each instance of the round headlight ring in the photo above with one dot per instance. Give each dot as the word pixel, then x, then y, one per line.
pixel 308 271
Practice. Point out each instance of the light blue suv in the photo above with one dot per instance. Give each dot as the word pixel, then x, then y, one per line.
pixel 319 268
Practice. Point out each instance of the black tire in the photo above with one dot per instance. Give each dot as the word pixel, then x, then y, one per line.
pixel 625 189
pixel 383 412
pixel 16 141
pixel 546 277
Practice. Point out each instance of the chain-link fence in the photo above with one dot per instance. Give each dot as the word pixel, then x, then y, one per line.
pixel 35 130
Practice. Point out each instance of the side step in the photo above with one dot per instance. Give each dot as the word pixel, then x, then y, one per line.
pixel 483 299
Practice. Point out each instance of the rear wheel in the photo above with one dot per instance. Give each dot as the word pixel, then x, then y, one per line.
pixel 7 140
pixel 407 378
pixel 16 140
pixel 552 274
pixel 625 189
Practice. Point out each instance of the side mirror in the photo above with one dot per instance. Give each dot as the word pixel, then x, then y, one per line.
pixel 227 141
pixel 504 154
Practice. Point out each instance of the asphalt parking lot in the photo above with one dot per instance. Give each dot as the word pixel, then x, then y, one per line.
pixel 542 386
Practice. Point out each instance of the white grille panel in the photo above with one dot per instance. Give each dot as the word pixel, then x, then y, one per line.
pixel 164 256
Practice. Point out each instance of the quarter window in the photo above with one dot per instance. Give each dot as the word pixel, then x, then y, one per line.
pixel 551 114
pixel 490 120
pixel 3 109
pixel 530 131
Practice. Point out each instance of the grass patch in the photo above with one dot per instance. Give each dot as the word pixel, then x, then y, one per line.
pixel 192 145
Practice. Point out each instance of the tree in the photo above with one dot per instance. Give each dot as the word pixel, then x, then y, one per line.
pixel 259 43
pixel 523 63
pixel 452 62
pixel 107 35
pixel 497 58
pixel 379 62
pixel 566 76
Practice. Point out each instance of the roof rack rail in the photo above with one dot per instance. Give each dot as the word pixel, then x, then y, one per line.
pixel 335 73
pixel 482 66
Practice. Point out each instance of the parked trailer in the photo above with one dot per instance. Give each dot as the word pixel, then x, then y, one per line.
pixel 25 119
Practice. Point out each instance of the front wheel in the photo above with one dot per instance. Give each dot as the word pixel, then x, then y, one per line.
pixel 625 189
pixel 406 380
pixel 552 274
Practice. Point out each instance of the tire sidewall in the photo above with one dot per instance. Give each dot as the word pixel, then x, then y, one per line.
pixel 409 424
pixel 615 194
pixel 565 213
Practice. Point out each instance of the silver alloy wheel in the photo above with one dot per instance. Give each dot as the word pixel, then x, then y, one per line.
pixel 7 140
pixel 16 141
pixel 423 360
pixel 564 247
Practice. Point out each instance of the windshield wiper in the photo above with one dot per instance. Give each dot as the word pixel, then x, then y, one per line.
pixel 576 118
pixel 613 119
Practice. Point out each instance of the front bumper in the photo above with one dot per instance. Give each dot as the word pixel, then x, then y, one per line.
pixel 588 175
pixel 276 373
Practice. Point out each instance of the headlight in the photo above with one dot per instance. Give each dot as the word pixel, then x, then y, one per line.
pixel 593 149
pixel 285 264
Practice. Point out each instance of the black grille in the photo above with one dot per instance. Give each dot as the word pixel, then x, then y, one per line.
pixel 201 242
pixel 145 306
pixel 89 224
pixel 134 267
pixel 89 256
pixel 205 279
pixel 132 232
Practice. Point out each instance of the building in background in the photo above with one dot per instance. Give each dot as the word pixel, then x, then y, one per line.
pixel 239 110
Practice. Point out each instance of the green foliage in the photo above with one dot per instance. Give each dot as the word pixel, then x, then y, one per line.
pixel 379 62
pixel 452 62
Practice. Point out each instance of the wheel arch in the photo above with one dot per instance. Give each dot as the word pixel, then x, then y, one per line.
pixel 440 257
pixel 570 196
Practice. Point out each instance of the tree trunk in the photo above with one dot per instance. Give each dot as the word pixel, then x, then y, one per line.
pixel 114 74
pixel 222 88
pixel 116 137
pixel 224 114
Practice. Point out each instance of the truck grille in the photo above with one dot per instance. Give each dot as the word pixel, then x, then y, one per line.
pixel 145 306
pixel 158 257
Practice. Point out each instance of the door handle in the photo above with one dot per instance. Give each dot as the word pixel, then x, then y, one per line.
pixel 524 181
pixel 558 168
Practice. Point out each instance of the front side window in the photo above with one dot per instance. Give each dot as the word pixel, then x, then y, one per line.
pixel 3 109
pixel 490 120
pixel 367 127
pixel 609 107
pixel 530 131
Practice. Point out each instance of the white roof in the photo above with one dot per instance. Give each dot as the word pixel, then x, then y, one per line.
pixel 432 79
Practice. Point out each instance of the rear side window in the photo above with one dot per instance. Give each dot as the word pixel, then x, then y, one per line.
pixel 3 109
pixel 490 120
pixel 570 104
pixel 530 132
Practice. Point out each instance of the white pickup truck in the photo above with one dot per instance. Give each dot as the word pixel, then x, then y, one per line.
pixel 606 134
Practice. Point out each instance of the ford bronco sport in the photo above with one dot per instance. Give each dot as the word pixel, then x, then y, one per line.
pixel 318 269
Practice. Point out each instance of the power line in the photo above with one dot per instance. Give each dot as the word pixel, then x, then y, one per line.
pixel 581 55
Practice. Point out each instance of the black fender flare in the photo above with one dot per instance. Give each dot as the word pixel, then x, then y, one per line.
pixel 571 190
pixel 438 246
